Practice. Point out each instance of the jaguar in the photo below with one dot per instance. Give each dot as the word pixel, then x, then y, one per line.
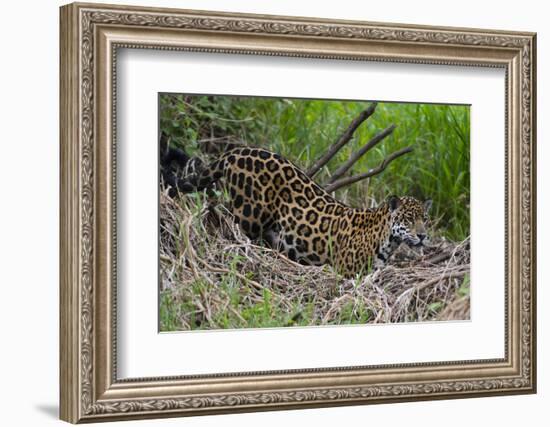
pixel 273 199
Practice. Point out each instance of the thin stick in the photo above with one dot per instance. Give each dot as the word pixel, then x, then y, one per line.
pixel 438 258
pixel 380 168
pixel 454 274
pixel 227 271
pixel 359 153
pixel 343 140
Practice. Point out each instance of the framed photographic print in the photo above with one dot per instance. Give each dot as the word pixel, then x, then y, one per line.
pixel 265 212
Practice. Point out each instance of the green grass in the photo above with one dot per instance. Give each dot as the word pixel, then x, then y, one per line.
pixel 267 312
pixel 302 130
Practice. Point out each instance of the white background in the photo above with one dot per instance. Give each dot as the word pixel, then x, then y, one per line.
pixel 143 73
pixel 29 170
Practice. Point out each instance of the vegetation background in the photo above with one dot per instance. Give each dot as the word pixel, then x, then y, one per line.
pixel 302 130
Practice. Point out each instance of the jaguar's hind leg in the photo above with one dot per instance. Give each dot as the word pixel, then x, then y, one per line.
pixel 283 242
pixel 274 237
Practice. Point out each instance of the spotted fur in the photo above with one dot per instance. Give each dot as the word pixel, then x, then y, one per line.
pixel 273 199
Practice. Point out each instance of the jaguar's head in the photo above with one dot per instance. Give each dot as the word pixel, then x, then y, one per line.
pixel 409 219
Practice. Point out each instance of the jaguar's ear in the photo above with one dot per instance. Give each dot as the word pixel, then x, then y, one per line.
pixel 427 205
pixel 393 202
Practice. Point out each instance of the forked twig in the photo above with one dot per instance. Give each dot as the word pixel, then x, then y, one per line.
pixel 355 178
pixel 359 153
pixel 343 140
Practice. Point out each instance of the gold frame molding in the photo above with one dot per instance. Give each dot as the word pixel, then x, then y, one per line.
pixel 90 36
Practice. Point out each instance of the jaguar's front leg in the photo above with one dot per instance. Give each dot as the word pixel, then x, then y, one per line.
pixel 384 253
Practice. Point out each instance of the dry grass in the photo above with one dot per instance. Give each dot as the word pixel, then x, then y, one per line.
pixel 214 277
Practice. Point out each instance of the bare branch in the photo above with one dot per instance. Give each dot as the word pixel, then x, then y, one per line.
pixel 359 153
pixel 436 259
pixel 343 140
pixel 353 179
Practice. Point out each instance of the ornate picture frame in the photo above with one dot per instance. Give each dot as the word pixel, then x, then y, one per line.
pixel 90 37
